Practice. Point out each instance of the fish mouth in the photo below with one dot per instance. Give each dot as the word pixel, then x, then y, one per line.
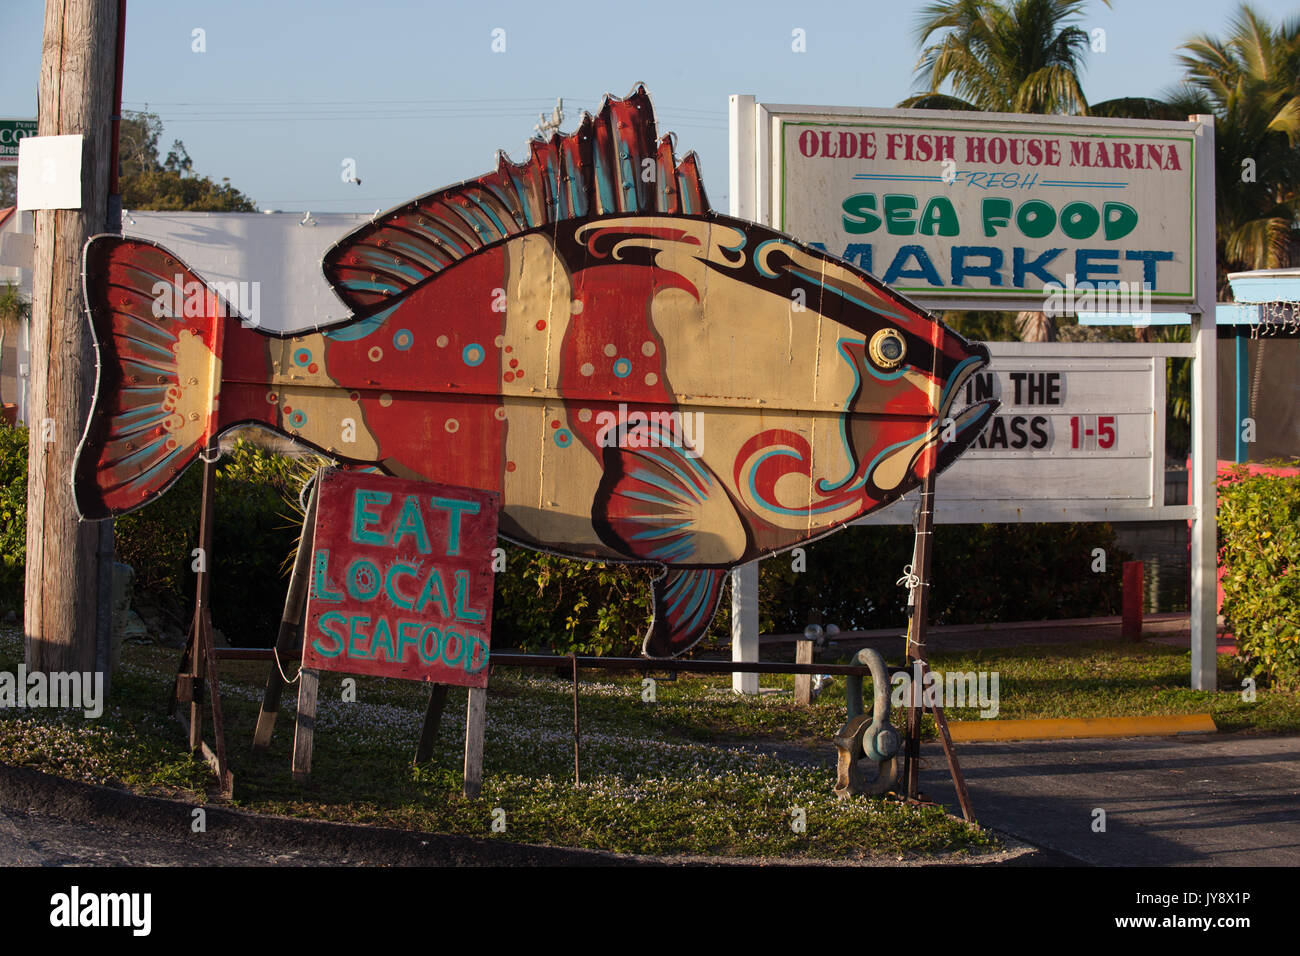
pixel 947 437
pixel 965 427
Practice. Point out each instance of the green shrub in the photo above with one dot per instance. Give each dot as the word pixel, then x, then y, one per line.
pixel 13 518
pixel 255 529
pixel 547 603
pixel 1259 551
pixel 982 574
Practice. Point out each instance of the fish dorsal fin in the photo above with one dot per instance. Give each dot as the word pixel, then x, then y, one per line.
pixel 604 167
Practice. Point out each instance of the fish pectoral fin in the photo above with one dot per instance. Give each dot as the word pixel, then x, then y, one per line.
pixel 685 601
pixel 662 504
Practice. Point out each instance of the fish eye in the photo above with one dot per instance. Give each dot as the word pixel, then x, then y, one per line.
pixel 887 349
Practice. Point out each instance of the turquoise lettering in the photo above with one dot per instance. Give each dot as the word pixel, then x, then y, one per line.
pixel 430 657
pixel 464 613
pixel 433 591
pixel 361 574
pixel 471 667
pixel 382 641
pixel 324 623
pixel 353 650
pixel 399 569
pixel 361 515
pixel 460 648
pixel 411 524
pixel 320 589
pixel 456 508
pixel 403 641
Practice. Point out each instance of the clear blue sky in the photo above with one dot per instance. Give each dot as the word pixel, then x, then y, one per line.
pixel 287 89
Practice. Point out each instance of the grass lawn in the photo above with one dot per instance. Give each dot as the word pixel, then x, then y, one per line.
pixel 696 771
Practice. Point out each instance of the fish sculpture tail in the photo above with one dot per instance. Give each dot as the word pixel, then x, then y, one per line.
pixel 158 332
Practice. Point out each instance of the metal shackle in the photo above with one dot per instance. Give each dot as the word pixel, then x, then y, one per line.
pixel 875 739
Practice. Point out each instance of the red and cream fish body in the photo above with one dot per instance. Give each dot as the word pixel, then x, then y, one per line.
pixel 640 378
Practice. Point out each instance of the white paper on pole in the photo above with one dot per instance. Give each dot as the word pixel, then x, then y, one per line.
pixel 49 172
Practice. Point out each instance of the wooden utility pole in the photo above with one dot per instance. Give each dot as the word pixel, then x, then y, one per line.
pixel 76 97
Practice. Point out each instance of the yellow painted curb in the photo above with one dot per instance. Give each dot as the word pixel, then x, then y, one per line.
pixel 1066 727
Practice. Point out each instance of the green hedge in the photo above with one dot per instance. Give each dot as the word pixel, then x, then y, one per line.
pixel 1259 551
pixel 983 573
pixel 256 530
pixel 544 602
pixel 13 518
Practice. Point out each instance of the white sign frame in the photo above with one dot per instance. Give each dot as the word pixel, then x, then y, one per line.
pixel 751 165
pixel 771 119
pixel 1147 358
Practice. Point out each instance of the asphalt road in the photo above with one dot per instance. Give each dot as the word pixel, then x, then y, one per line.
pixel 39 839
pixel 1193 800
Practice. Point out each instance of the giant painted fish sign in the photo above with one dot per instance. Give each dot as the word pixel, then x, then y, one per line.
pixel 640 378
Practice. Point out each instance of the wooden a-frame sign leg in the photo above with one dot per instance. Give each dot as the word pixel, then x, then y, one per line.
pixel 917 654
pixel 199 661
pixel 289 638
pixel 288 645
pixel 432 719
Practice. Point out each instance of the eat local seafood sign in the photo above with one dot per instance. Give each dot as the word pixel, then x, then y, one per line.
pixel 992 206
pixel 401 582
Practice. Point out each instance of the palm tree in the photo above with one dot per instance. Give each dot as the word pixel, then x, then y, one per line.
pixel 1015 56
pixel 1251 83
pixel 13 309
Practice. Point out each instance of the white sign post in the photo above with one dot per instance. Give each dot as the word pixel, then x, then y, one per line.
pixel 1018 212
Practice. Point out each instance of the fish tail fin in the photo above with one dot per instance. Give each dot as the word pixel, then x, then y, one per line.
pixel 158 332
